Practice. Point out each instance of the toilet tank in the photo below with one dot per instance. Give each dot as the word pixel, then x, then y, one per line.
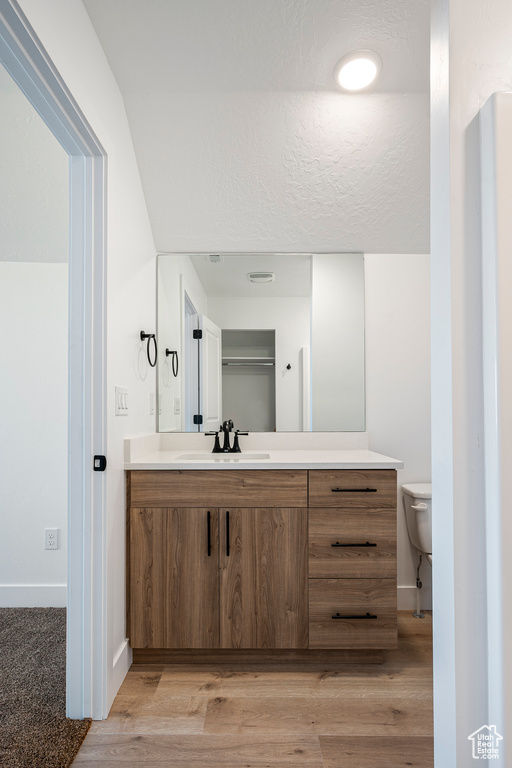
pixel 417 498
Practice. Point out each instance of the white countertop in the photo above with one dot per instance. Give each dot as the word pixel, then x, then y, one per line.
pixel 278 459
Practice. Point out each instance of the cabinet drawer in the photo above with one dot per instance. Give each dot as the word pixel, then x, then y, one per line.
pixel 218 488
pixel 352 543
pixel 352 488
pixel 352 613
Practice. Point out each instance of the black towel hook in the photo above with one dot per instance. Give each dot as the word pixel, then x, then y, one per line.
pixel 174 361
pixel 149 336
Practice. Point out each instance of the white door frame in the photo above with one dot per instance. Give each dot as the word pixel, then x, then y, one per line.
pixel 30 66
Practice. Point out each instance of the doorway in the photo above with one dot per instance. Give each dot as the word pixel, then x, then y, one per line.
pixel 34 244
pixel 25 59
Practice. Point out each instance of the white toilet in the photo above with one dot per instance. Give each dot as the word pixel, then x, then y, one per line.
pixel 418 515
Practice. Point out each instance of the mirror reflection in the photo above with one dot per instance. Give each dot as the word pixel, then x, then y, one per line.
pixel 274 342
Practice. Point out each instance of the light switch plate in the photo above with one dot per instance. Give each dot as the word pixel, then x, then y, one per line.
pixel 121 401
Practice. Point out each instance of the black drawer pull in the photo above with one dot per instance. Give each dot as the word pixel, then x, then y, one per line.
pixel 354 616
pixel 354 490
pixel 209 519
pixel 366 544
pixel 227 534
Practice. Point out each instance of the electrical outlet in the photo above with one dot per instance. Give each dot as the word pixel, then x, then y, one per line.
pixel 51 538
pixel 177 406
pixel 151 403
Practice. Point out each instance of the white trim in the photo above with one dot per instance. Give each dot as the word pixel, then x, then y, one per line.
pixel 121 664
pixel 496 169
pixel 33 595
pixel 123 649
pixel 30 66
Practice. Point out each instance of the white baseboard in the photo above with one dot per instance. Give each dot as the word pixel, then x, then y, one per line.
pixel 406 598
pixel 33 595
pixel 120 665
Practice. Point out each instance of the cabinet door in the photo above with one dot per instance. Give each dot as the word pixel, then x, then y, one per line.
pixel 263 578
pixel 174 578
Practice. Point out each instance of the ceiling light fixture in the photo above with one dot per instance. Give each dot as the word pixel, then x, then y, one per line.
pixel 357 70
pixel 261 277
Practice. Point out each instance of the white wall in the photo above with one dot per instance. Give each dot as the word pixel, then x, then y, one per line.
pixel 33 444
pixel 471 58
pixel 67 34
pixel 34 190
pixel 291 319
pixel 397 334
pixel 33 315
pixel 337 342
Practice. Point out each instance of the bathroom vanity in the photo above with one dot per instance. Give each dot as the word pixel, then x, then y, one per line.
pixel 294 553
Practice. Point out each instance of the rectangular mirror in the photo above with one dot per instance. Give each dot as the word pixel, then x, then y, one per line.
pixel 273 341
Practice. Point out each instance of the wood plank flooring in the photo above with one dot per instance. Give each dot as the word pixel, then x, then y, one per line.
pixel 248 716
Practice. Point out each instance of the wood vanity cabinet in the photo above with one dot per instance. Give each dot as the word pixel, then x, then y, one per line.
pixel 227 559
pixel 218 559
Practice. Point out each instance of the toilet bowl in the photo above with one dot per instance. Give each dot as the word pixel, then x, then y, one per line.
pixel 418 515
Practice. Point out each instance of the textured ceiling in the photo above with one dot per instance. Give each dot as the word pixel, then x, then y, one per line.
pixel 164 46
pixel 243 141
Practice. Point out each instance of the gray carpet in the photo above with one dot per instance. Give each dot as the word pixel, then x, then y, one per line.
pixel 34 729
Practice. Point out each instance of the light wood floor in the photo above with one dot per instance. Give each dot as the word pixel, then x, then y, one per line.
pixel 348 716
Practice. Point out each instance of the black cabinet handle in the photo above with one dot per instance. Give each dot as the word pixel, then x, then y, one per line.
pixel 354 616
pixel 209 522
pixel 354 490
pixel 227 534
pixel 366 544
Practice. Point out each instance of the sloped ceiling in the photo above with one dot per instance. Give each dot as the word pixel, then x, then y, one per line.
pixel 242 139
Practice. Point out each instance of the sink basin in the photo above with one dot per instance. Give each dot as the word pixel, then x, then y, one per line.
pixel 223 457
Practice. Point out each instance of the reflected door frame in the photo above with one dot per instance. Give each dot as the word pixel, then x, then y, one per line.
pixel 190 397
pixel 26 60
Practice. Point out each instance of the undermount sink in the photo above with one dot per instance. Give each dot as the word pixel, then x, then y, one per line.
pixel 223 457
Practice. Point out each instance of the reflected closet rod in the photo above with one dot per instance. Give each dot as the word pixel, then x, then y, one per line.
pixel 250 364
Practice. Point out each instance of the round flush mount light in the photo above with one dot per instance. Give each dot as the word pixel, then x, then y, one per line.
pixel 358 70
pixel 261 277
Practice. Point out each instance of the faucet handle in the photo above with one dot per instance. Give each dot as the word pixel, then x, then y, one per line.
pixel 216 448
pixel 236 447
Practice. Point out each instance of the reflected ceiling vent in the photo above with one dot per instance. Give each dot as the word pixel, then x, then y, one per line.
pixel 261 277
pixel 215 258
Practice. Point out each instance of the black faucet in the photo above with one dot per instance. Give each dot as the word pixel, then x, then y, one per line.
pixel 226 427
